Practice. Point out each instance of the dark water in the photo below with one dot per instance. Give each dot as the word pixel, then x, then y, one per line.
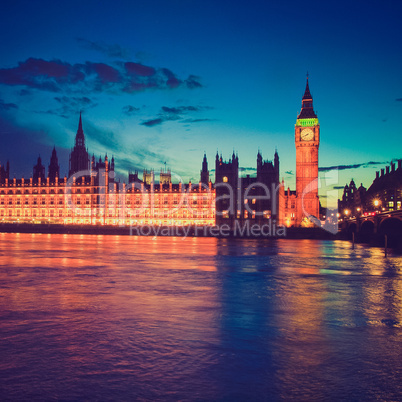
pixel 136 318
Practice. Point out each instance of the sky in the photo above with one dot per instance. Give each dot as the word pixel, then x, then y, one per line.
pixel 165 81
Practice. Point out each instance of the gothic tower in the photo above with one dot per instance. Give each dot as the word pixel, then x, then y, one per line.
pixel 205 171
pixel 38 172
pixel 226 179
pixel 307 140
pixel 79 158
pixel 54 167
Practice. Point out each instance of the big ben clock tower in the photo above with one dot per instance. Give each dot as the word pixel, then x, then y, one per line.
pixel 307 140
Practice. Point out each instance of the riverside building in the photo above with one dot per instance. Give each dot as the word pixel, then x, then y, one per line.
pixel 91 195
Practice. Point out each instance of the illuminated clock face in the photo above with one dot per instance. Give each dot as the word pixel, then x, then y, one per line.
pixel 307 135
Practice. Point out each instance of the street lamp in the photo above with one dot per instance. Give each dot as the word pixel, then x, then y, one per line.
pixel 377 204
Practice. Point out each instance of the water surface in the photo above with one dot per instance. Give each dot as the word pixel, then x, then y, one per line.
pixel 141 318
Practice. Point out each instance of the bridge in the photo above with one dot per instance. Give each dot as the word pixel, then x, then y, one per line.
pixel 374 226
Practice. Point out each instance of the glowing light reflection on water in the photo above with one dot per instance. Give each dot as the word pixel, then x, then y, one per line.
pixel 115 317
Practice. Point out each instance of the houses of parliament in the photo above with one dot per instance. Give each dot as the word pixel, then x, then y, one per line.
pixel 91 195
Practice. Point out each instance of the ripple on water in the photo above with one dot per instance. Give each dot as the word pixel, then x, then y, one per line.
pixel 109 318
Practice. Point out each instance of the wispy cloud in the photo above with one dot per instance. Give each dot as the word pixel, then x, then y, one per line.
pixel 398 99
pixel 193 81
pixel 248 170
pixel 7 106
pixel 197 120
pixel 121 77
pixel 152 122
pixel 138 158
pixel 354 166
pixel 179 110
pixel 129 110
pixel 114 51
pixel 69 105
pixel 176 113
pixel 102 137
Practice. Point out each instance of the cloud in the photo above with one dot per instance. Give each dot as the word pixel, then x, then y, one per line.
pixel 106 73
pixel 53 112
pixel 247 169
pixel 290 172
pixel 101 139
pixel 399 99
pixel 172 80
pixel 57 76
pixel 152 122
pixel 74 101
pixel 7 106
pixel 130 110
pixel 141 70
pixel 138 158
pixel 41 74
pixel 337 188
pixel 197 120
pixel 142 157
pixel 69 106
pixel 347 167
pixel 193 81
pixel 179 110
pixel 114 51
pixel 176 113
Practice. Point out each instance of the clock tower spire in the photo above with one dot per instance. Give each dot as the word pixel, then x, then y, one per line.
pixel 307 141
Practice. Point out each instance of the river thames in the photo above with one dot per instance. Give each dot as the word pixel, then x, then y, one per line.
pixel 90 317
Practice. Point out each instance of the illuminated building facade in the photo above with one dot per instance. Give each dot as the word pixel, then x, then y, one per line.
pixel 384 194
pixel 247 199
pixel 91 196
pixel 302 206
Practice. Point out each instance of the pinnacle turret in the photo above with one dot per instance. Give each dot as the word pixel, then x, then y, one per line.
pixel 79 137
pixel 79 158
pixel 307 94
pixel 54 168
pixel 307 111
pixel 204 170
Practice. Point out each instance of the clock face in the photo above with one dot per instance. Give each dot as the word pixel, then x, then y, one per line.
pixel 307 134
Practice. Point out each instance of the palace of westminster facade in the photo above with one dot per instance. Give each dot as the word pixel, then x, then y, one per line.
pixel 90 195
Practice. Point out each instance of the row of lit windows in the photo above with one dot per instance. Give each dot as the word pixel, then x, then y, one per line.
pixel 98 207
pixel 128 212
pixel 112 200
pixel 247 215
pixel 59 214
pixel 161 198
pixel 12 189
pixel 31 191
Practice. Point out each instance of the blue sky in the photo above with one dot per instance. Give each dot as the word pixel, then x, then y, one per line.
pixel 164 81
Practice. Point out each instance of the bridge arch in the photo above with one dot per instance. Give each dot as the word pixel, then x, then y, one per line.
pixel 366 231
pixel 392 227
